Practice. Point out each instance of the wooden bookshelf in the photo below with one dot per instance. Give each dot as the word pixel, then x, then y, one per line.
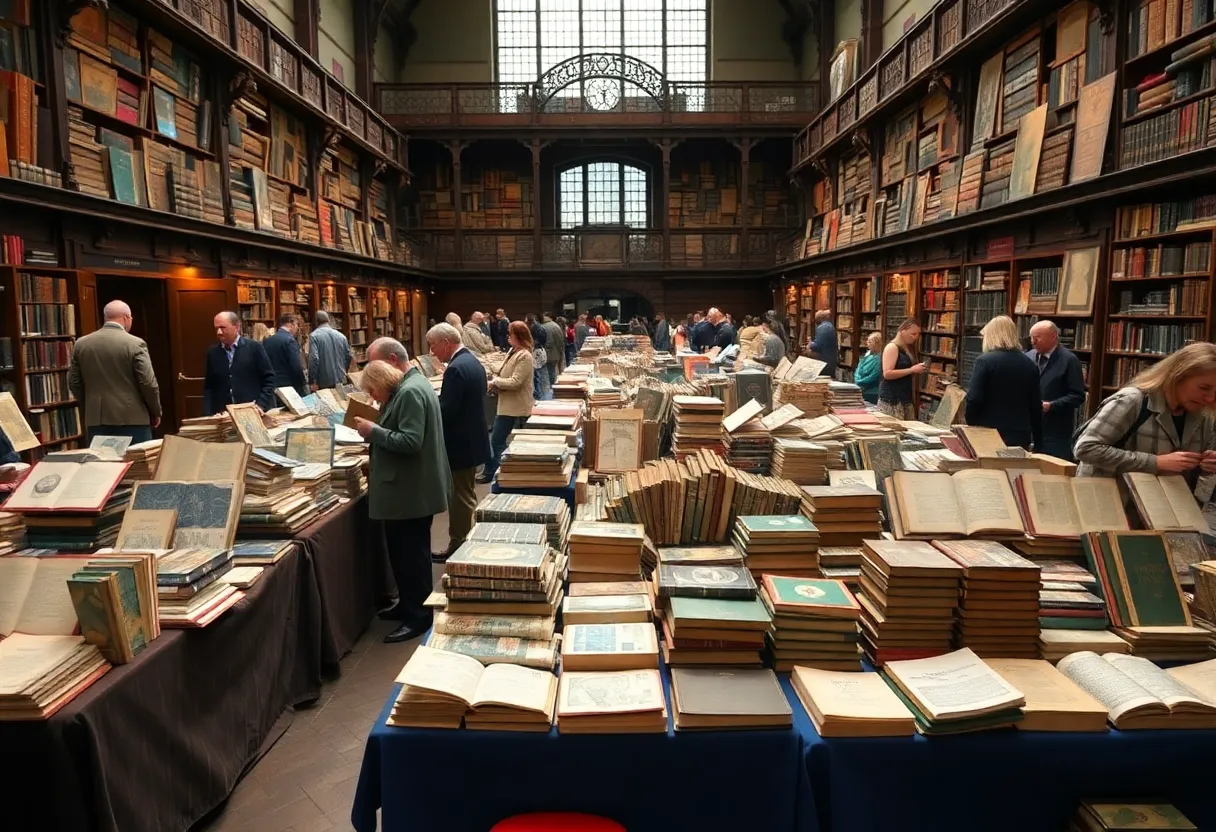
pixel 403 317
pixel 382 323
pixel 846 327
pixel 256 304
pixel 330 297
pixel 357 322
pixel 704 193
pixel 299 298
pixel 898 301
pixel 985 296
pixel 44 318
pixel 869 302
pixel 940 316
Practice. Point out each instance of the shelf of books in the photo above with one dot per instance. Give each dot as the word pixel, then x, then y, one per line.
pixel 44 322
pixel 382 315
pixel 403 318
pixel 846 327
pixel 357 322
pixel 1159 293
pixel 24 155
pixel 985 296
pixel 869 314
pixel 898 301
pixel 940 320
pixel 329 299
pixel 801 327
pixel 299 298
pixel 255 300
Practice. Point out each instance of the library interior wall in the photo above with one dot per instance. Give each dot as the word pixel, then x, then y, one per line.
pixel 336 38
pixel 385 59
pixel 809 71
pixel 746 43
pixel 455 43
pixel 280 13
pixel 898 15
pixel 848 20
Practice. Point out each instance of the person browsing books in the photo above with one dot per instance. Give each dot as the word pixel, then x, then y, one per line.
pixel 1004 388
pixel 284 353
pixel 899 365
pixel 1160 423
pixel 1061 388
pixel 768 347
pixel 328 355
pixel 513 387
pixel 238 370
pixel 869 369
pixel 408 484
pixel 112 377
pixel 824 345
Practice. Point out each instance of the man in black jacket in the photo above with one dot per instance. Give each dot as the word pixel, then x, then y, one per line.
pixel 284 354
pixel 462 400
pixel 1062 386
pixel 498 330
pixel 238 370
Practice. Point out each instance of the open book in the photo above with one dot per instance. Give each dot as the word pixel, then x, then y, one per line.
pixel 67 486
pixel 188 460
pixel 34 595
pixel 1138 694
pixel 955 686
pixel 440 678
pixel 974 502
pixel 1058 506
pixel 1165 502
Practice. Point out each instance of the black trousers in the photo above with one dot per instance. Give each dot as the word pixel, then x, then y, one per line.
pixel 409 554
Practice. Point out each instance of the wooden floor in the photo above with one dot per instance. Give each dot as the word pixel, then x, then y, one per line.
pixel 306 783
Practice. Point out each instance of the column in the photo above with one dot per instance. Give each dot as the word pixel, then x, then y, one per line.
pixel 456 148
pixel 664 212
pixel 745 164
pixel 536 145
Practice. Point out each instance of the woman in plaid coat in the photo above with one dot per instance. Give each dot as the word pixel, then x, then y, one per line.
pixel 1161 423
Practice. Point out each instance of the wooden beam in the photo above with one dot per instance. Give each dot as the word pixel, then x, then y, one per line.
pixel 871 33
pixel 307 14
pixel 366 30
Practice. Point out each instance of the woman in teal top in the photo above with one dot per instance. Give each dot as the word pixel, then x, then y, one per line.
pixel 869 369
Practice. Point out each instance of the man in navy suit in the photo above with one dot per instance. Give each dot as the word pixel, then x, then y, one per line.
pixel 284 354
pixel 462 400
pixel 238 370
pixel 1061 386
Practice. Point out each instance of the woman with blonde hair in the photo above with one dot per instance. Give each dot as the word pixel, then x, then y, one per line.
pixel 1004 389
pixel 899 364
pixel 513 387
pixel 1160 423
pixel 260 332
pixel 869 370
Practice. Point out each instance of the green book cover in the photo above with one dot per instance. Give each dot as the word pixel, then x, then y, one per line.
pixel 779 523
pixel 95 599
pixel 719 609
pixel 122 176
pixel 131 610
pixel 1102 563
pixel 805 592
pixel 1146 574
pixel 71 75
pixel 164 105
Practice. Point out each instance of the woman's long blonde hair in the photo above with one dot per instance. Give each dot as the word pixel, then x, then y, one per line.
pixel 1001 333
pixel 1171 371
pixel 380 375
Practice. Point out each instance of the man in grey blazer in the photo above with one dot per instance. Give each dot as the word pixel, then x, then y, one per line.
pixel 112 378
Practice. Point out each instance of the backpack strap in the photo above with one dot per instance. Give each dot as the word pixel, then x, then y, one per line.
pixel 1141 418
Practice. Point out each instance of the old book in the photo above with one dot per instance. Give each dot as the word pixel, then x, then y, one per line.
pixel 14 426
pixel 715 698
pixel 1127 817
pixel 987 99
pixel 207 512
pixel 539 628
pixel 358 409
pixel 1094 107
pixel 1059 506
pixel 593 588
pixel 484 559
pixel 958 686
pixel 1056 644
pixel 863 478
pixel 247 419
pixel 310 445
pixel 1138 694
pixel 533 533
pixel 843 704
pixel 706 582
pixel 32 600
pixel 812 597
pixel 188 460
pixel 701 556
pixel 606 609
pixel 164 111
pixel 629 701
pixel 1053 701
pixel 146 530
pixel 1165 502
pixel 67 486
pixel 973 502
pixel 742 415
pixel 619 441
pixel 536 653
pixel 292 400
pixel 631 646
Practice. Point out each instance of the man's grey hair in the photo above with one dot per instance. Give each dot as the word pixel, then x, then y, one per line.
pixel 322 318
pixel 453 319
pixel 383 348
pixel 443 332
pixel 116 309
pixel 230 317
pixel 1050 326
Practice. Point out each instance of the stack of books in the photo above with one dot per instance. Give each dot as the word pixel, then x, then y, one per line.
pixel 285 513
pixel 143 458
pixel 713 631
pixel 57 516
pixel 844 515
pixel 954 693
pixel 814 623
pixel 115 601
pixel 268 474
pixel 749 447
pixel 553 512
pixel 536 464
pixel 1092 816
pixel 439 689
pixel 721 699
pixel 609 602
pixel 909 592
pixel 217 428
pixel 628 646
pixel 12 532
pixel 1056 644
pixel 314 478
pixel 698 425
pixel 349 477
pixel 620 702
pixel 260 552
pixel 189 591
pixel 605 551
pixel 786 544
pixel 1069 605
pixel 800 461
pixel 555 416
pixel 41 674
pixel 998 614
pixel 841 563
pixel 811 397
pixel 851 704
pixel 534 533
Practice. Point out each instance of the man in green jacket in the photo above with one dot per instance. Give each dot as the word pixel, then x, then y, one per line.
pixel 409 484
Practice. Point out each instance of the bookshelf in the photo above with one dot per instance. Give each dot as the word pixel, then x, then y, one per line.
pixel 299 298
pixel 704 192
pixel 44 321
pixel 25 97
pixel 800 324
pixel 403 318
pixel 383 325
pixel 941 322
pixel 985 296
pixel 869 291
pixel 846 326
pixel 898 301
pixel 357 322
pixel 256 302
pixel 329 299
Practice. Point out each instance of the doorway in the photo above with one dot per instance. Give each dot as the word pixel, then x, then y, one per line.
pixel 149 311
pixel 618 306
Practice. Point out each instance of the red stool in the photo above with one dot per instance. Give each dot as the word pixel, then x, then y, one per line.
pixel 557 822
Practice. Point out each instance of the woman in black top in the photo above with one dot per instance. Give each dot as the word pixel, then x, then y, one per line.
pixel 1004 388
pixel 898 367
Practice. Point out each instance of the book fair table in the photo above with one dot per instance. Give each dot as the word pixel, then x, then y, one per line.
pixel 999 781
pixel 161 741
pixel 468 779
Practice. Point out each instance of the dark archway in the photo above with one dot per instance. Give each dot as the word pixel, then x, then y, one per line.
pixel 618 306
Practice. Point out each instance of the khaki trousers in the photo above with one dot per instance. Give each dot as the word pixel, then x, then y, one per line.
pixel 460 510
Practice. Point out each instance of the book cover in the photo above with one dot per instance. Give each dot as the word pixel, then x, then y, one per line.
pixel 478 558
pixel 164 108
pixel 531 533
pixel 95 599
pixel 776 524
pixel 706 581
pixel 609 638
pixel 1146 574
pixel 701 555
pixel 98 85
pixel 130 609
pixel 122 176
pixel 814 597
pixel 722 610
pixel 71 75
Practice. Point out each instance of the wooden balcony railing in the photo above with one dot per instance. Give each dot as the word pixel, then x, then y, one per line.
pixel 594 249
pixel 487 106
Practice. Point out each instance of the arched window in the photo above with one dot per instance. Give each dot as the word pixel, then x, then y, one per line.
pixel 532 36
pixel 603 193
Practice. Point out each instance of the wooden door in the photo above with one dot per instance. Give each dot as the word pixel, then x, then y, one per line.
pixel 193 304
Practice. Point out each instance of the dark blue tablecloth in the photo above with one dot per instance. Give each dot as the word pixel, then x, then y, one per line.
pixel 1000 781
pixel 449 781
pixel 566 492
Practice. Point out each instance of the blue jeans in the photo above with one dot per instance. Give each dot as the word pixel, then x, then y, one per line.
pixel 138 433
pixel 499 434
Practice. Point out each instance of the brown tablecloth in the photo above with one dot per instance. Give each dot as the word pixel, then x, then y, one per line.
pixel 159 742
pixel 350 564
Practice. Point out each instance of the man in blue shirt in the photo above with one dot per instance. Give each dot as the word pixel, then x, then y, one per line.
pixel 328 355
pixel 824 345
pixel 702 336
